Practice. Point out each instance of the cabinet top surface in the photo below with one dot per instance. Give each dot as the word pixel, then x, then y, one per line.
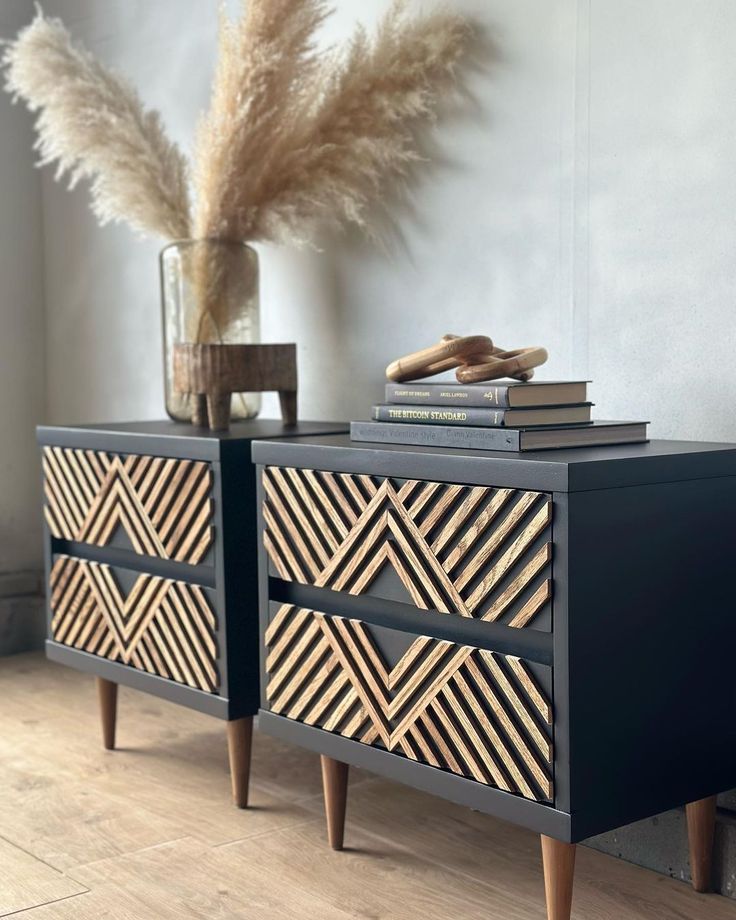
pixel 178 438
pixel 563 470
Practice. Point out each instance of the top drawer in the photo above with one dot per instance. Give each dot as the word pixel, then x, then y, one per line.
pixel 163 506
pixel 474 551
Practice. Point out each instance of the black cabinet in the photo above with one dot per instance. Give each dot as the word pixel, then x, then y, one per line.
pixel 542 636
pixel 151 544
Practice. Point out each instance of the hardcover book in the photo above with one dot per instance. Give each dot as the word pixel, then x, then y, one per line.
pixel 485 418
pixel 507 394
pixel 505 439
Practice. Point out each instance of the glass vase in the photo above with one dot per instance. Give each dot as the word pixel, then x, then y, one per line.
pixel 209 295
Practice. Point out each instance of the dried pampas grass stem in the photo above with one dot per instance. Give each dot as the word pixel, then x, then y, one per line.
pixel 93 124
pixel 293 140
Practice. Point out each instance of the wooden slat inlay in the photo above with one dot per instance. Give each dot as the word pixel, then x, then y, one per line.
pixel 164 506
pixel 164 627
pixel 472 551
pixel 477 713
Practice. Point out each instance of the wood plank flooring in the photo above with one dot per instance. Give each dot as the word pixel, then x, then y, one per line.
pixel 148 832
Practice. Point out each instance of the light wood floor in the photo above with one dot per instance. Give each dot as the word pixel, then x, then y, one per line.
pixel 148 833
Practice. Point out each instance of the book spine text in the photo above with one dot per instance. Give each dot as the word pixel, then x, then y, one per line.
pixel 439 415
pixel 414 394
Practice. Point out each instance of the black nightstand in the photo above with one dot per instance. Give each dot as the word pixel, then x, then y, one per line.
pixel 150 538
pixel 546 637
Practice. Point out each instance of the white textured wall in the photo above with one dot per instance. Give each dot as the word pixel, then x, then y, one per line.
pixel 21 327
pixel 586 202
pixel 657 270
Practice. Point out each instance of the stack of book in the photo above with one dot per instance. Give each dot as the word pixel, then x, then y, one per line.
pixel 502 415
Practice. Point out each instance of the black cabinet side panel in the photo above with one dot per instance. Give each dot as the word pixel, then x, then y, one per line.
pixel 652 628
pixel 238 578
pixel 560 593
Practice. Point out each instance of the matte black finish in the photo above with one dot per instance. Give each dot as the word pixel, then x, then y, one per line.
pixel 643 624
pixel 174 439
pixel 546 470
pixel 112 555
pixel 228 572
pixel 528 643
pixel 651 693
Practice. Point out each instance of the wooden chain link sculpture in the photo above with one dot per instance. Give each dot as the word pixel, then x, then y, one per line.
pixel 475 357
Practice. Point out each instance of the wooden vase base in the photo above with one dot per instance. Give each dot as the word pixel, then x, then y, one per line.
pixel 210 374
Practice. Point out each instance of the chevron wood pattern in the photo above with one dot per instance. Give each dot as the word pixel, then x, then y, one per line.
pixel 473 551
pixel 163 504
pixel 474 712
pixel 164 627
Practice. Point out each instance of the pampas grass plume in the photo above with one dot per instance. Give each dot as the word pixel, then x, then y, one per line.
pixel 294 140
pixel 94 126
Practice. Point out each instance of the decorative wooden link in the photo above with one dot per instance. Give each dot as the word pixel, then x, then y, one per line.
pixel 164 505
pixel 474 712
pixel 473 551
pixel 163 627
pixel 475 357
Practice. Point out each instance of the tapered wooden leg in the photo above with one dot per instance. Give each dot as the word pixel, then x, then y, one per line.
pixel 335 784
pixel 107 693
pixel 701 830
pixel 558 859
pixel 239 738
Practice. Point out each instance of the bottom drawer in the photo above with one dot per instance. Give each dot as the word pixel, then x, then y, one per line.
pixel 159 625
pixel 477 713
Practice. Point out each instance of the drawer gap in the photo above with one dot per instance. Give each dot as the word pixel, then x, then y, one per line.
pixel 535 646
pixel 129 559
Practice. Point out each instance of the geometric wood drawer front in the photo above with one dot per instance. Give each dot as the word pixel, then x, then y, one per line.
pixel 473 551
pixel 477 713
pixel 163 505
pixel 164 627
